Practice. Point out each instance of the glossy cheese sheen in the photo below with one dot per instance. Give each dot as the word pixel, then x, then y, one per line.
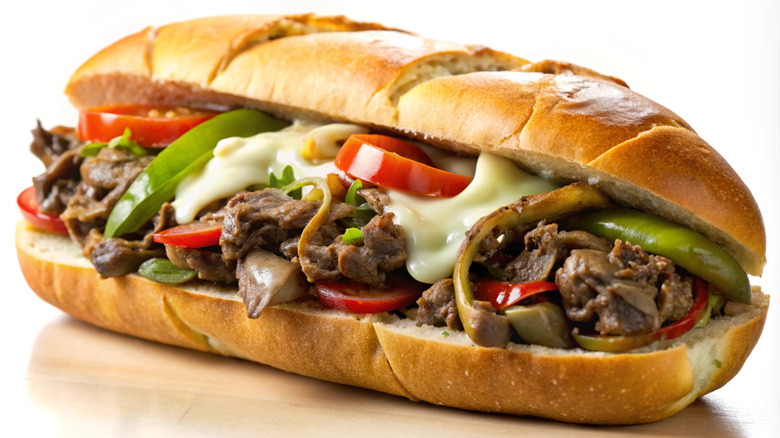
pixel 242 162
pixel 435 228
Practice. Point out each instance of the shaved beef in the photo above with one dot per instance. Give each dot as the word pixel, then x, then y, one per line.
pixel 59 150
pixel 376 198
pixel 271 220
pixel 383 250
pixel 105 178
pixel 266 218
pixel 676 297
pixel 49 145
pixel 437 306
pixel 117 256
pixel 210 265
pixel 622 288
pixel 542 250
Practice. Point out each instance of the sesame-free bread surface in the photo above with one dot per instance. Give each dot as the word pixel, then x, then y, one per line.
pixel 554 119
pixel 393 355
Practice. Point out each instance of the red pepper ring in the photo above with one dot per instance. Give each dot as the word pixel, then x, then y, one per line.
pixel 503 294
pixel 671 331
pixel 103 123
pixel 359 298
pixel 193 235
pixel 392 163
pixel 28 205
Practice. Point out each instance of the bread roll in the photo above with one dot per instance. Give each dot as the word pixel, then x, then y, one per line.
pixel 560 125
pixel 554 119
pixel 388 354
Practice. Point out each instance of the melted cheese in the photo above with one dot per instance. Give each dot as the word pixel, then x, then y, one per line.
pixel 434 228
pixel 242 162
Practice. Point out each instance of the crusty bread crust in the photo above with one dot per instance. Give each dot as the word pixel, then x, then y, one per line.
pixel 386 353
pixel 555 119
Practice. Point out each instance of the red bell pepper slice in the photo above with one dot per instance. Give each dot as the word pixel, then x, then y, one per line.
pixel 502 294
pixel 150 126
pixel 393 163
pixel 359 298
pixel 194 235
pixel 28 205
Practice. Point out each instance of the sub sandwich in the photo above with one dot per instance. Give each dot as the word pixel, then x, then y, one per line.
pixel 362 205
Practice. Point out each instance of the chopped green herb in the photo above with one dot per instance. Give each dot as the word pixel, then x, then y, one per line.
pixel 445 333
pixel 288 177
pixel 123 141
pixel 717 363
pixel 164 271
pixel 352 236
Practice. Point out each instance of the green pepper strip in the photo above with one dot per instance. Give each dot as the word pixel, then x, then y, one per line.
pixel 188 154
pixel 524 213
pixel 687 248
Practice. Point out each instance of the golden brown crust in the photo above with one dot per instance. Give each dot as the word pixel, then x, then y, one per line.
pixel 557 119
pixel 388 354
pixel 576 128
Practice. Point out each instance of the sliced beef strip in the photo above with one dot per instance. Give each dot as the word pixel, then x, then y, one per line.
pixel 59 150
pixel 622 288
pixel 675 292
pixel 266 218
pixel 210 265
pixel 118 256
pixel 376 198
pixel 383 250
pixel 437 306
pixel 542 251
pixel 676 297
pixel 588 287
pixel 105 178
pixel 48 145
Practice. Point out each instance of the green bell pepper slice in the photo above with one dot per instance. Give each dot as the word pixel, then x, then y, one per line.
pixel 687 248
pixel 189 153
pixel 521 215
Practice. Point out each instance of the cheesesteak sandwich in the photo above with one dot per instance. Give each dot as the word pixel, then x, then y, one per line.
pixel 358 204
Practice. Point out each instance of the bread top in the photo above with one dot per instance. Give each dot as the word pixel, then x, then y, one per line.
pixel 557 120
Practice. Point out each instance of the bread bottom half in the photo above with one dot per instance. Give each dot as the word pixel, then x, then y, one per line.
pixel 389 354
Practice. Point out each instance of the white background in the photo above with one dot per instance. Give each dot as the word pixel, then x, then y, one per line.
pixel 715 63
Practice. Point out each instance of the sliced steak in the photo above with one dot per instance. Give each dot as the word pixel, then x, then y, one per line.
pixel 382 250
pixel 59 150
pixel 210 265
pixel 622 288
pixel 118 256
pixel 105 178
pixel 437 306
pixel 266 218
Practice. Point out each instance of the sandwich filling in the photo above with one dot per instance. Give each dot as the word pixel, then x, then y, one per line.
pixel 458 242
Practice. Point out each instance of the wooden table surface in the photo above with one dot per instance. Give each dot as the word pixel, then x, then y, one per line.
pixel 717 66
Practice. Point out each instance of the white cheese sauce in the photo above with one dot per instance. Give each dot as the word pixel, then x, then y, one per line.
pixel 434 227
pixel 241 162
